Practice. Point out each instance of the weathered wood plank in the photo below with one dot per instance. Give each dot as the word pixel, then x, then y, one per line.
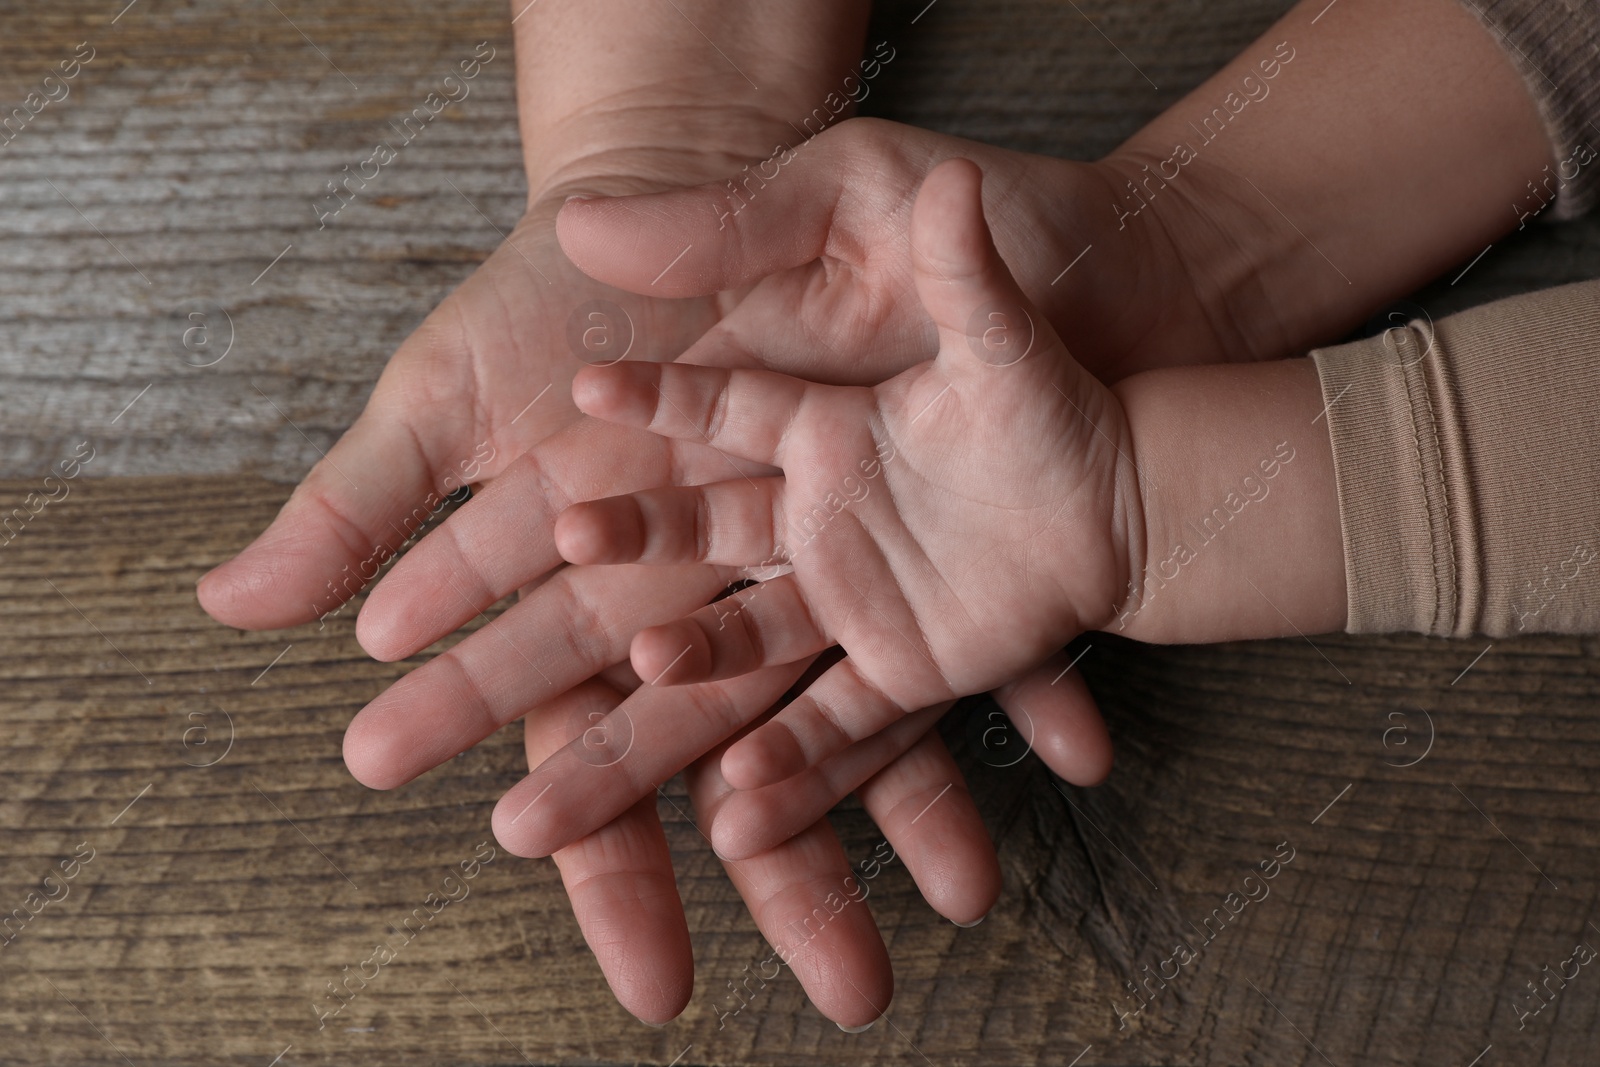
pixel 191 149
pixel 207 923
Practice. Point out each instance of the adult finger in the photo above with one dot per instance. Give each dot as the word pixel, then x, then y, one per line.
pixel 501 539
pixel 619 878
pixel 568 629
pixel 836 711
pixel 752 821
pixel 922 805
pixel 843 193
pixel 384 479
pixel 1055 714
pixel 811 907
pixel 436 420
pixel 913 790
pixel 627 755
pixel 690 242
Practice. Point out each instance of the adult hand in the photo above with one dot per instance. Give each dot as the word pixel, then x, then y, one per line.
pixel 847 283
pixel 463 381
pixel 453 405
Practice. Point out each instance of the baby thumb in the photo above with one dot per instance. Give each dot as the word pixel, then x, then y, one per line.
pixel 984 319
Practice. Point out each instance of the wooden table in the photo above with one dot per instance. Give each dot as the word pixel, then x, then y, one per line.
pixel 1442 819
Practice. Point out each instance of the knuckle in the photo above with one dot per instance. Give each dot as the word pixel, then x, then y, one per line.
pixel 828 727
pixel 716 415
pixel 751 638
pixel 700 525
pixel 583 623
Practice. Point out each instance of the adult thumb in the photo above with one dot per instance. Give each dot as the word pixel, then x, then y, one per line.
pixel 705 239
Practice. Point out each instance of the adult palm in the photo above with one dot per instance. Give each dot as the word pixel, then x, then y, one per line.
pixel 484 378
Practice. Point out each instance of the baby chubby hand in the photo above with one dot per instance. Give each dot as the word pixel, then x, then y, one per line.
pixel 949 528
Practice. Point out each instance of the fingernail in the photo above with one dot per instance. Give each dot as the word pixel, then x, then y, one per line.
pixel 653 1026
pixel 970 925
pixel 578 197
pixel 857 1029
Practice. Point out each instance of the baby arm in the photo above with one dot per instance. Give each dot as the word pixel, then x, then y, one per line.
pixel 952 526
pixel 1241 508
pixel 1195 504
pixel 1438 478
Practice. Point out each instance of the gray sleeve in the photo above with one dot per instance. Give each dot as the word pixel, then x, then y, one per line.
pixel 1555 44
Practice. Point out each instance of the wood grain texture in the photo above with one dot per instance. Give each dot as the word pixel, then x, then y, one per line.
pixel 190 151
pixel 250 869
pixel 219 904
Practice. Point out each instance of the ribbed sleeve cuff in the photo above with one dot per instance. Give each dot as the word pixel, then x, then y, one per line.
pixel 1467 456
pixel 1555 44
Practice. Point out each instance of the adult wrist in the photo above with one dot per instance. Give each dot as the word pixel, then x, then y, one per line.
pixel 1211 243
pixel 1303 197
pixel 706 82
pixel 613 151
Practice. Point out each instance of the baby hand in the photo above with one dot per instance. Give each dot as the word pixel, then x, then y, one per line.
pixel 949 528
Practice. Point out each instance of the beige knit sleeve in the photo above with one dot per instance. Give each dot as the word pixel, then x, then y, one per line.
pixel 1467 455
pixel 1555 44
